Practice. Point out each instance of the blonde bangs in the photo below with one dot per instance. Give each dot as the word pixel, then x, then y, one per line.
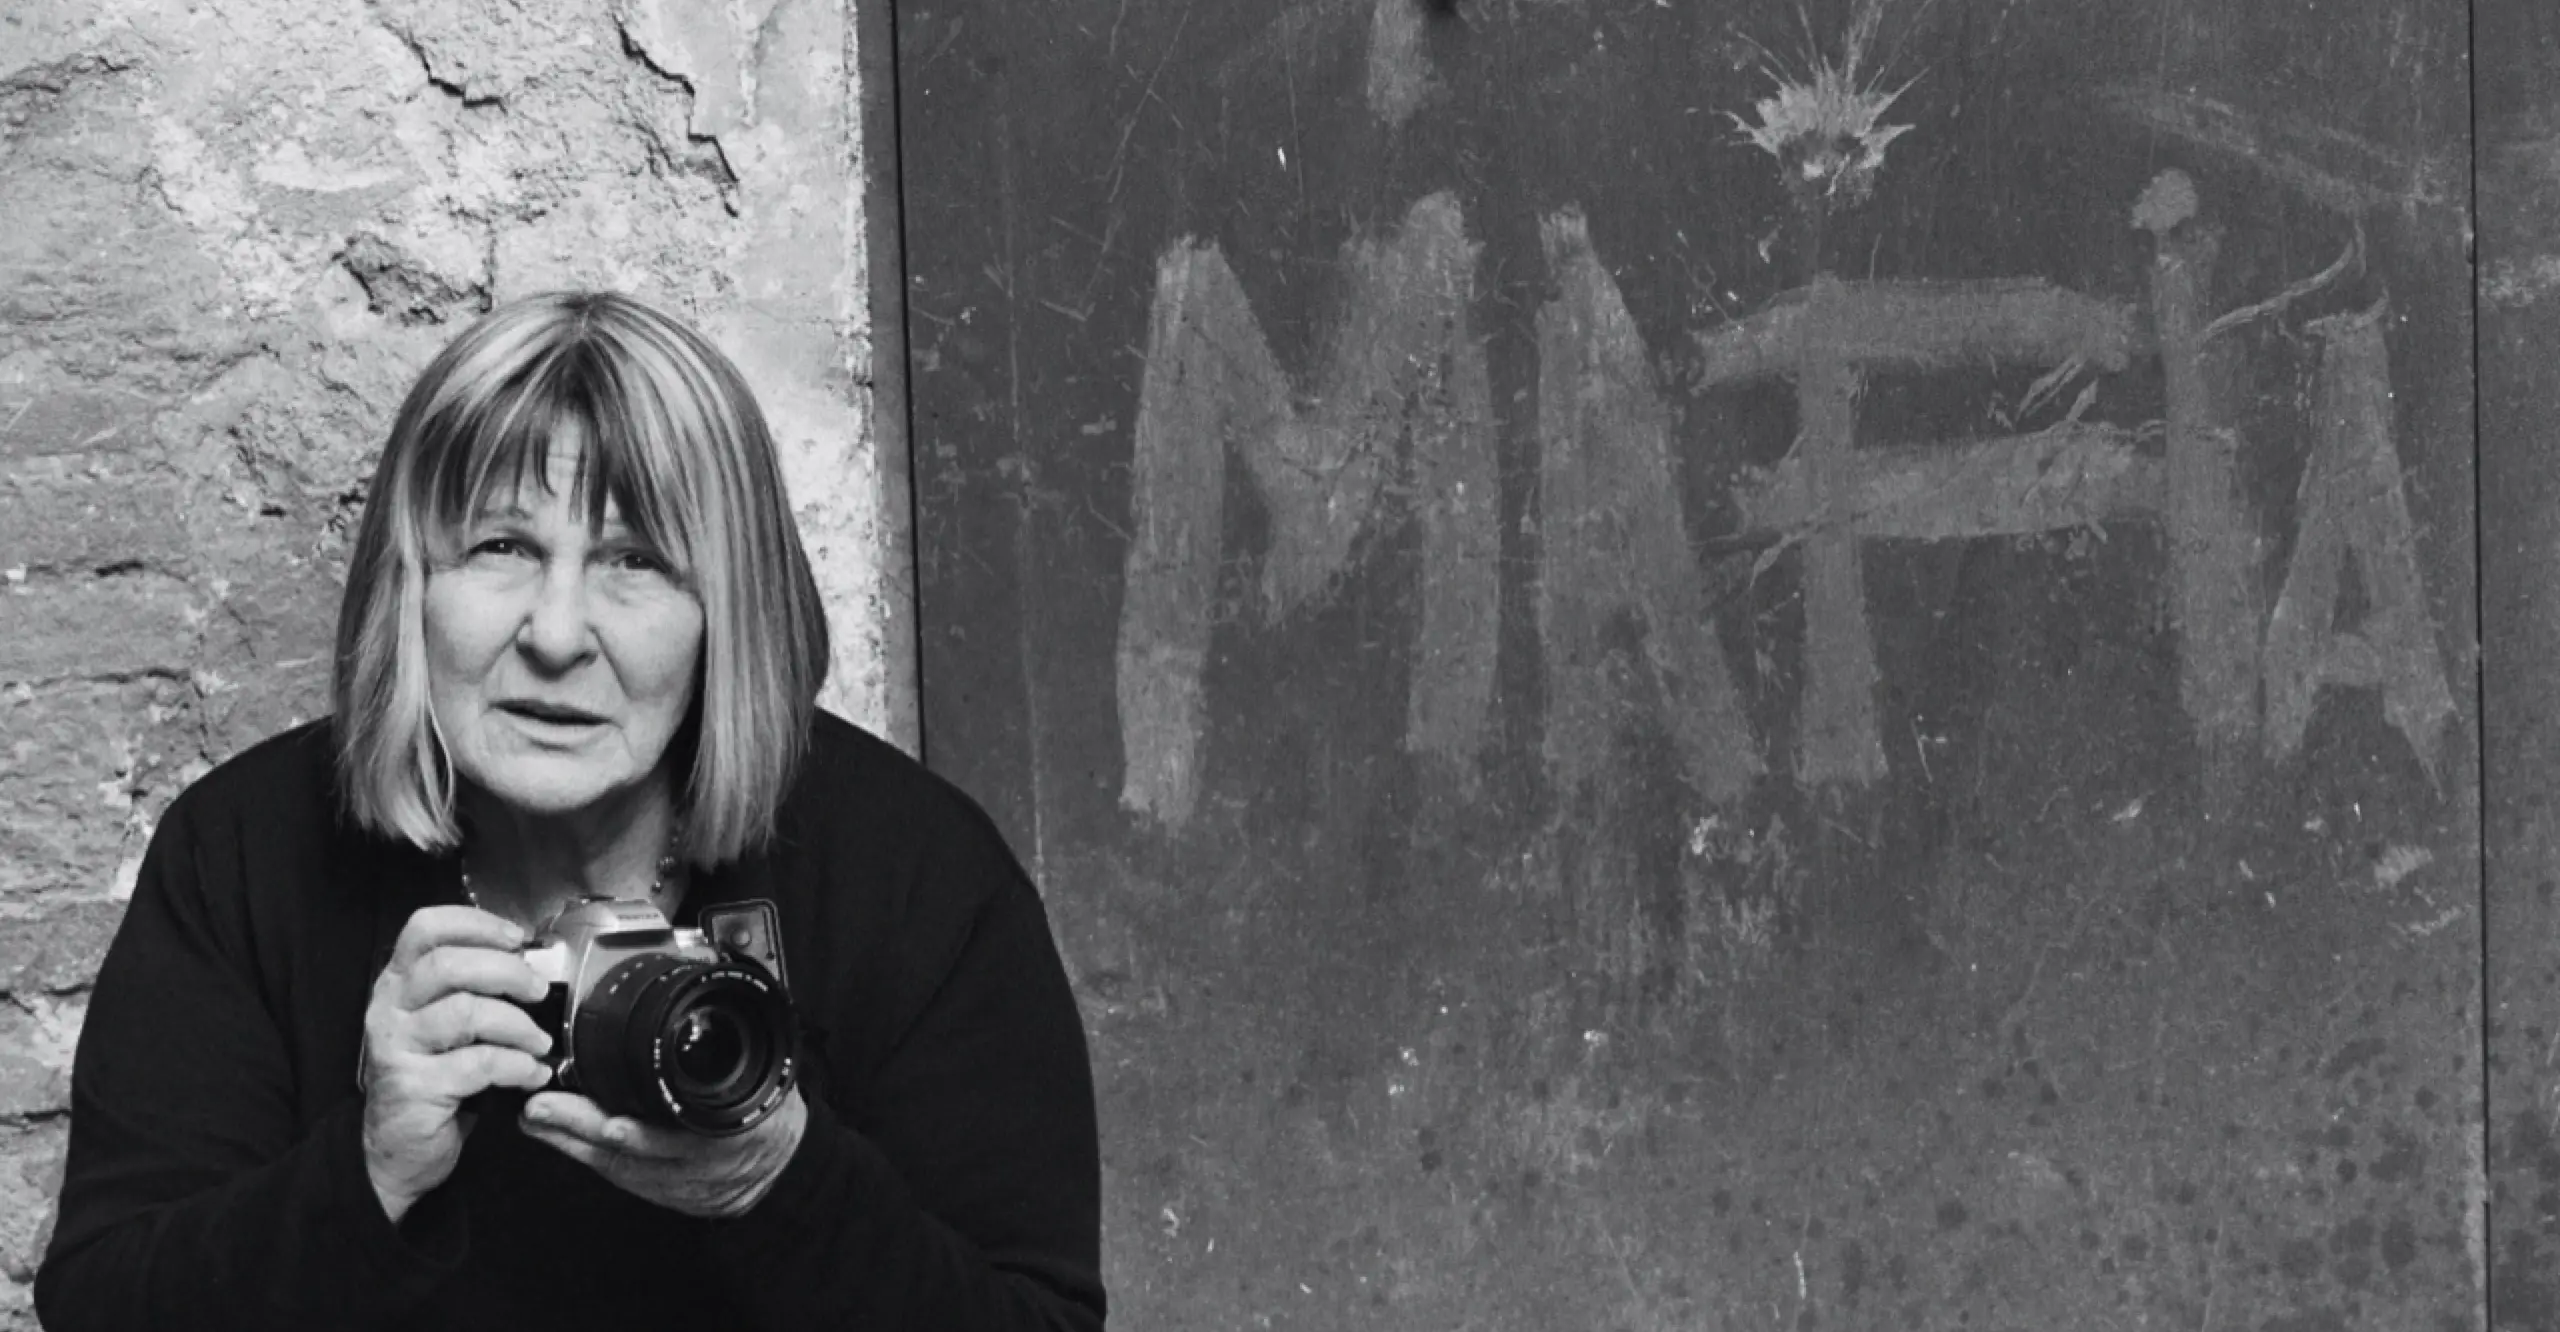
pixel 627 449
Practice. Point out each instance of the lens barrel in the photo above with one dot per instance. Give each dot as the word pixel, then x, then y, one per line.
pixel 703 1046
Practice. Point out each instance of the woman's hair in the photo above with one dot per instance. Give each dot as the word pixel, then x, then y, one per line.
pixel 672 437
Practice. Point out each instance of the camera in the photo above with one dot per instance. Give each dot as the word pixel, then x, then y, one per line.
pixel 684 1027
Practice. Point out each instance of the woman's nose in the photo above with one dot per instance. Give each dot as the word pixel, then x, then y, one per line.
pixel 557 630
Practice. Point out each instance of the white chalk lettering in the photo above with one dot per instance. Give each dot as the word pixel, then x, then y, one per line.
pixel 1614 542
pixel 1404 384
pixel 2354 507
pixel 1401 406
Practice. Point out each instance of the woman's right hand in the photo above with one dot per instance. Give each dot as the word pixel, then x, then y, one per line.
pixel 438 1029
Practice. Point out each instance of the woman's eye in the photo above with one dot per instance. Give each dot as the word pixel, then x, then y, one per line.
pixel 501 547
pixel 638 561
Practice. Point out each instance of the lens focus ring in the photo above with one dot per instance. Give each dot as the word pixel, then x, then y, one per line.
pixel 705 1046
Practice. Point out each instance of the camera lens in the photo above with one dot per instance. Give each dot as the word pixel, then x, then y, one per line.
pixel 705 1046
pixel 711 1050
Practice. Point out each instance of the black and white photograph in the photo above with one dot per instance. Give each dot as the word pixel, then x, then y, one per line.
pixel 1312 665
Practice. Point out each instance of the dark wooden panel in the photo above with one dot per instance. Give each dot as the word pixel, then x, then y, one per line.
pixel 2519 192
pixel 1628 729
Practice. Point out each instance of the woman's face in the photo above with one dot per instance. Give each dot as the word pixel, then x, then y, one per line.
pixel 559 661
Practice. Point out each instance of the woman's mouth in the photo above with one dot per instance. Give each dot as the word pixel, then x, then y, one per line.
pixel 550 714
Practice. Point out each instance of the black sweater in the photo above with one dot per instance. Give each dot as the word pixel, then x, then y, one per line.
pixel 948 1179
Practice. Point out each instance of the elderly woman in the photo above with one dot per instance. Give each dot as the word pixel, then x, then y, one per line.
pixel 577 661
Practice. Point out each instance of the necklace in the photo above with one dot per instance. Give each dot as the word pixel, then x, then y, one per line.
pixel 657 880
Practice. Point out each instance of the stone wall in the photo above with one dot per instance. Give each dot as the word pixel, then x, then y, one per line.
pixel 234 230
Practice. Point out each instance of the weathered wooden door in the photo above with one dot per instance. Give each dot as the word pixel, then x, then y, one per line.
pixel 1732 663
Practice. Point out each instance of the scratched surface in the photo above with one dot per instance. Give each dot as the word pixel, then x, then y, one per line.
pixel 2519 85
pixel 1732 664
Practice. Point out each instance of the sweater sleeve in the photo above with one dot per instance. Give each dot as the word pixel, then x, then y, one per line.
pixel 192 1197
pixel 968 1199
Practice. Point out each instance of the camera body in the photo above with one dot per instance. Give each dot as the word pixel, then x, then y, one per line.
pixel 690 1028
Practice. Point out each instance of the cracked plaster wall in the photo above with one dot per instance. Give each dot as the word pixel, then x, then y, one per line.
pixel 235 229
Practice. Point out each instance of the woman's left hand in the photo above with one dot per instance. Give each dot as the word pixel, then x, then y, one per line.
pixel 685 1172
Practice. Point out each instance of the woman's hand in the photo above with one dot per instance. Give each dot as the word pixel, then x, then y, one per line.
pixel 685 1172
pixel 439 1028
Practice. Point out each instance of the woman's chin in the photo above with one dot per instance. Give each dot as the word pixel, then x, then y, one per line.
pixel 552 789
